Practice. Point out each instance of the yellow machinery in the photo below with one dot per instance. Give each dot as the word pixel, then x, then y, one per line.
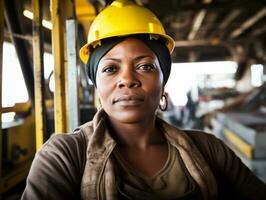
pixel 42 114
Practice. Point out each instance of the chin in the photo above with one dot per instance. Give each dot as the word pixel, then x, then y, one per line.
pixel 131 116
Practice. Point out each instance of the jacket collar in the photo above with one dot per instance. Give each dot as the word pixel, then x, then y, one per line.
pixel 101 144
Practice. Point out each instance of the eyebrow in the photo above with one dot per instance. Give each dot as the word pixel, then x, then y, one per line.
pixel 135 59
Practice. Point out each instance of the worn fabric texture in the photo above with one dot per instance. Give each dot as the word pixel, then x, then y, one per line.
pixel 172 181
pixel 79 165
pixel 99 169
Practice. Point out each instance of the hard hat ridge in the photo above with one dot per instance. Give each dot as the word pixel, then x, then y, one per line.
pixel 121 18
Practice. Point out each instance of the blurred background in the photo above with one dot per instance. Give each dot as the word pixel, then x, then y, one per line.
pixel 217 83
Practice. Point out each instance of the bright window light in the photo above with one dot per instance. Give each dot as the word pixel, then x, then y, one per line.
pixel 256 75
pixel 48 69
pixel 185 76
pixel 14 88
pixel 48 64
pixel 8 117
pixel 52 84
pixel 45 23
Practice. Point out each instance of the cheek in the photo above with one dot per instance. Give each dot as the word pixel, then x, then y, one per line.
pixel 103 90
pixel 159 85
pixel 103 93
pixel 156 88
pixel 157 93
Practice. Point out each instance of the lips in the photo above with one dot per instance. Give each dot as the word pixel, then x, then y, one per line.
pixel 129 100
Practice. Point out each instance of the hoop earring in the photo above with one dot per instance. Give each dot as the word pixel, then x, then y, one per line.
pixel 163 103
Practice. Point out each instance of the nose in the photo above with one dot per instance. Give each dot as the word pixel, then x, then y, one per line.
pixel 128 79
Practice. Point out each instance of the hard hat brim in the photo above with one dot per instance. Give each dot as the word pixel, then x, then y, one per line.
pixel 85 50
pixel 84 53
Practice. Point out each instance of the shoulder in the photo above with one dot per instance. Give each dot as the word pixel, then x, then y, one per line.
pixel 78 139
pixel 68 148
pixel 213 148
pixel 215 152
pixel 234 179
pixel 65 141
pixel 218 155
pixel 63 151
pixel 205 142
pixel 62 157
pixel 201 138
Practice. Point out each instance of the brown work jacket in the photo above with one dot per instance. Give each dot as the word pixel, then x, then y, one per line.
pixel 78 165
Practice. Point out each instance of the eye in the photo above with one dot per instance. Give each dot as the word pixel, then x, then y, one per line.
pixel 109 69
pixel 146 67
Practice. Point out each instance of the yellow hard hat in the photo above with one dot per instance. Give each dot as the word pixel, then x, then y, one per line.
pixel 122 18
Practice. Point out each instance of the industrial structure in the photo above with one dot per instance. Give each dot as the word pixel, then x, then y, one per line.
pixel 59 100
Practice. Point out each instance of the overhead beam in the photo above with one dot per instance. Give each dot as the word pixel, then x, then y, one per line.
pixel 191 43
pixel 139 2
pixel 198 21
pixel 259 31
pixel 14 26
pixel 249 23
pixel 222 28
pixel 229 18
pixel 236 4
pixel 142 2
pixel 196 24
pixel 208 28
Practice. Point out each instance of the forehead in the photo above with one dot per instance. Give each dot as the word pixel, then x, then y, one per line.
pixel 130 46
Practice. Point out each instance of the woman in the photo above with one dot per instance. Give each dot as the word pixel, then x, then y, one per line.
pixel 127 152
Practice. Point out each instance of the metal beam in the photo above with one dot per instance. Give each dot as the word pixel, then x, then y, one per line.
pixel 59 69
pixel 229 18
pixel 38 73
pixel 198 21
pixel 208 28
pixel 72 104
pixel 60 11
pixel 259 31
pixel 1 78
pixel 189 43
pixel 14 26
pixel 197 24
pixel 250 22
pixel 20 36
pixel 236 4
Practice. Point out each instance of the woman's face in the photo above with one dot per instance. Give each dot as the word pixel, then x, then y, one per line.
pixel 130 82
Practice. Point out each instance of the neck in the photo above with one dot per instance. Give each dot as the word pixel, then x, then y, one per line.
pixel 136 135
